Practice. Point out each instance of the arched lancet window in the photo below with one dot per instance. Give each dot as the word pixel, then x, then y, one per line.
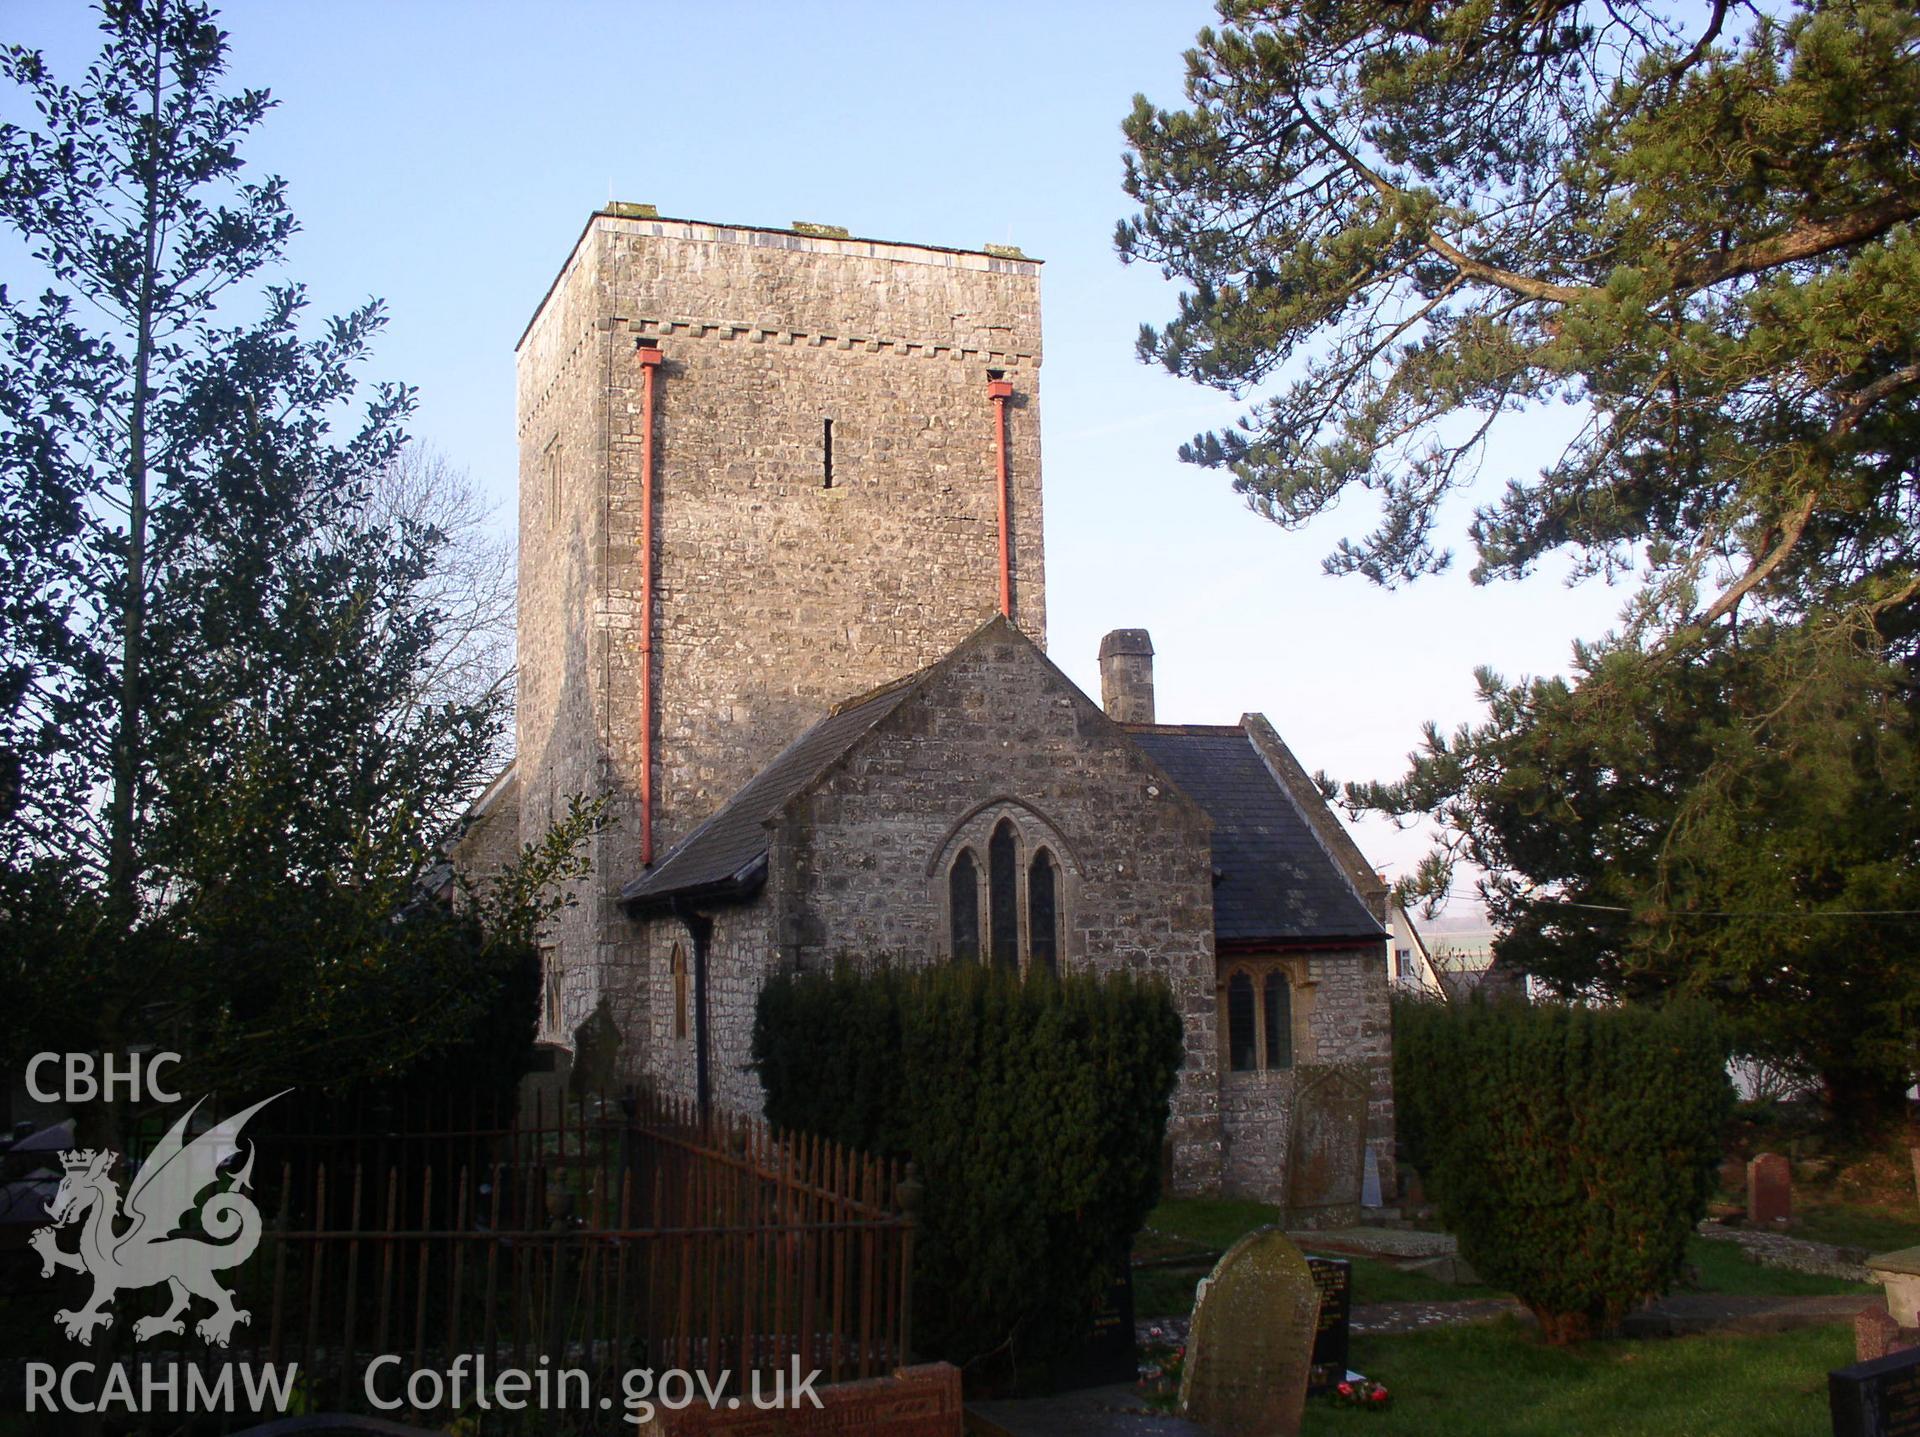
pixel 1242 1056
pixel 1277 1010
pixel 963 898
pixel 1003 903
pixel 678 966
pixel 1043 912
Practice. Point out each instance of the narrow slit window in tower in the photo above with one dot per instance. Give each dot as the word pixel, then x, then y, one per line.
pixel 826 454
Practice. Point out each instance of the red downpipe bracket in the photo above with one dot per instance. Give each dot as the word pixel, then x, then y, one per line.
pixel 649 356
pixel 1000 391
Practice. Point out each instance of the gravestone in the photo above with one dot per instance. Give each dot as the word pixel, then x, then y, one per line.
pixel 1251 1343
pixel 596 1055
pixel 1333 1276
pixel 1326 1159
pixel 1106 1355
pixel 1876 1399
pixel 1769 1189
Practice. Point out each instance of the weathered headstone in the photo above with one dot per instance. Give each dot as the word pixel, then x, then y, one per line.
pixel 1106 1355
pixel 1251 1343
pixel 1325 1163
pixel 1876 1399
pixel 1769 1189
pixel 596 1055
pixel 1370 1180
pixel 1333 1276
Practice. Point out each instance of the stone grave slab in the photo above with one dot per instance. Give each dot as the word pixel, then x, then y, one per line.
pixel 1333 1276
pixel 1769 1189
pixel 1877 1399
pixel 1899 1273
pixel 1250 1347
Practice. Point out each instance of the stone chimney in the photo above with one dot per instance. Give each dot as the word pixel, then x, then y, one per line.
pixel 1126 676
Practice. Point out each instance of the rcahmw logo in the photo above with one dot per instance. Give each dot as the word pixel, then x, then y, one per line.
pixel 131 1242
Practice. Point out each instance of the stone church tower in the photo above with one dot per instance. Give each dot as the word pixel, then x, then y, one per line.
pixel 760 470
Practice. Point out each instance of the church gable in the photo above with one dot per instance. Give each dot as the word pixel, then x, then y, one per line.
pixel 996 777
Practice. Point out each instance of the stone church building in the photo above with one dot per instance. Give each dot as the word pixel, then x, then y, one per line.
pixel 783 602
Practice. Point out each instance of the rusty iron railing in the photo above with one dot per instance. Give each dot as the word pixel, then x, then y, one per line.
pixel 598 1236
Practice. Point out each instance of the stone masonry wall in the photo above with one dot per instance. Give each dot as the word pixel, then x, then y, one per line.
pixel 775 595
pixel 491 839
pixel 859 864
pixel 740 957
pixel 560 709
pixel 1340 1018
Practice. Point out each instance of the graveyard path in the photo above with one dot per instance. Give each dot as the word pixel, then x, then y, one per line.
pixel 1385 1318
pixel 1796 1254
pixel 1375 1318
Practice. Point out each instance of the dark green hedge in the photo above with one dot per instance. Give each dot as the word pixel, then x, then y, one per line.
pixel 1570 1149
pixel 1035 1110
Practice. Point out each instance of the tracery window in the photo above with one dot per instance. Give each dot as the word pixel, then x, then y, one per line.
pixel 1258 1018
pixel 1005 878
pixel 963 902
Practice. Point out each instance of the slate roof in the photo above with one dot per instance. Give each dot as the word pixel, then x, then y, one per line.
pixel 1276 882
pixel 726 855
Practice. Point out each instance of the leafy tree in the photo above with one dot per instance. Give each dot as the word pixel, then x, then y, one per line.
pixel 1696 234
pixel 230 768
pixel 1738 830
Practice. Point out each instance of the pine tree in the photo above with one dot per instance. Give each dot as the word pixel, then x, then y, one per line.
pixel 1404 221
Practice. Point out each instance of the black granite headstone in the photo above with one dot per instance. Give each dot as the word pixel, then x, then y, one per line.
pixel 1877 1399
pixel 1334 1277
pixel 1106 1356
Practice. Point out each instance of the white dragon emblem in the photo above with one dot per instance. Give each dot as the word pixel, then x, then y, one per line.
pixel 150 1250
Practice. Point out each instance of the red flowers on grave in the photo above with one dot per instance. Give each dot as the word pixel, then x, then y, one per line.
pixel 1373 1396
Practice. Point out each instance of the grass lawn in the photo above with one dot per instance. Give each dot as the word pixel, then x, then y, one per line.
pixel 1499 1380
pixel 1725 1268
pixel 1877 1229
pixel 1203 1225
pixel 1214 1223
pixel 1199 1225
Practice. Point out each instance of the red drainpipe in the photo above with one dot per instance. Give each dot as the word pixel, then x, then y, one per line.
pixel 649 355
pixel 1000 391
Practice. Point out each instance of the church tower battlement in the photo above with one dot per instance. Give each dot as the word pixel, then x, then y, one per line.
pixel 760 470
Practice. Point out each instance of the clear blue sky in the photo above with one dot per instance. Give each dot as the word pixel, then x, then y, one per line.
pixel 444 156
